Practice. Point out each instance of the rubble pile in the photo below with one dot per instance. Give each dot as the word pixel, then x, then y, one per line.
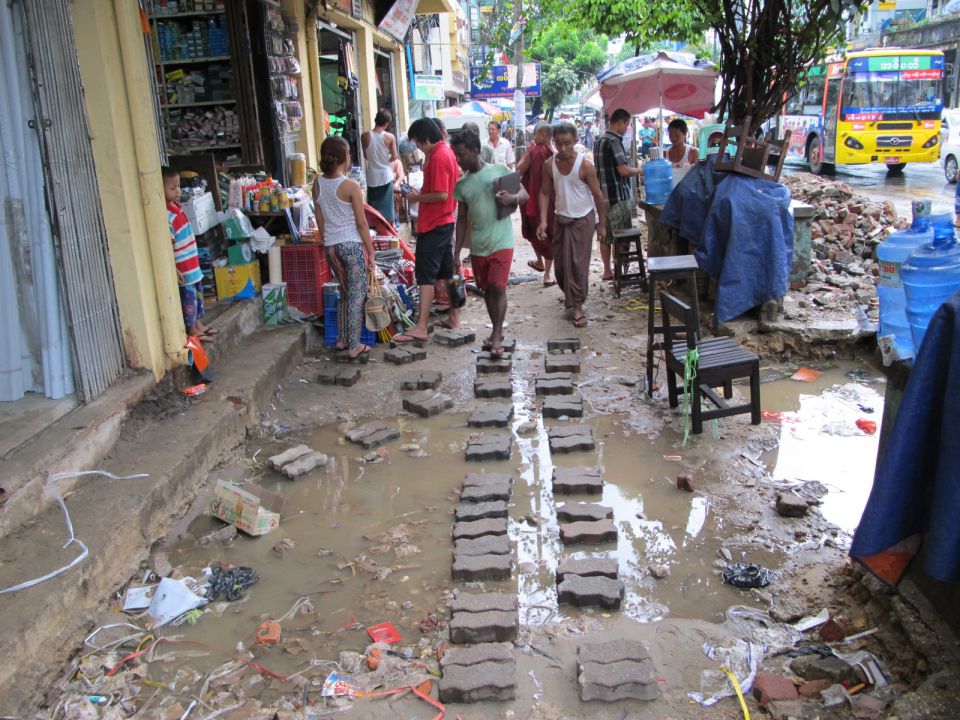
pixel 847 227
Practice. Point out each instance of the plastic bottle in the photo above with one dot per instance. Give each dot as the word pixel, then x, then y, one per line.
pixel 931 275
pixel 458 293
pixel 657 178
pixel 891 254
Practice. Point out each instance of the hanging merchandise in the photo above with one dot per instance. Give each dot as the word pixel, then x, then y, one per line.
pixel 284 69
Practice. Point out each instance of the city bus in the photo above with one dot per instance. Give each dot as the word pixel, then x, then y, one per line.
pixel 871 106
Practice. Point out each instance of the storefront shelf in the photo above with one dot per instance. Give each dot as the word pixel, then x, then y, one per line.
pixel 202 103
pixel 185 61
pixel 202 148
pixel 196 13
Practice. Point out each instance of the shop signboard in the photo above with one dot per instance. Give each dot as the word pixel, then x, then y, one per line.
pixel 397 20
pixel 499 81
pixel 427 87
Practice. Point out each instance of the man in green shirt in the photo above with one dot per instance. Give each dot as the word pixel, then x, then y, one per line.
pixel 491 239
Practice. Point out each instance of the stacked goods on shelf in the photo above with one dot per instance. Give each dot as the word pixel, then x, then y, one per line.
pixel 172 7
pixel 204 128
pixel 200 85
pixel 192 38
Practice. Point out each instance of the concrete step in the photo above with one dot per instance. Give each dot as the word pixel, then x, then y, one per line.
pixel 119 519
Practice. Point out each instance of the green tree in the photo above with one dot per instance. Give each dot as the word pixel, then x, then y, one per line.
pixel 557 81
pixel 569 59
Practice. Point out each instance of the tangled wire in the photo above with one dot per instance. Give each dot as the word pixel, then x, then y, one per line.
pixel 229 584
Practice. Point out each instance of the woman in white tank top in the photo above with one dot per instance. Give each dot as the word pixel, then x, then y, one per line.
pixel 680 155
pixel 338 203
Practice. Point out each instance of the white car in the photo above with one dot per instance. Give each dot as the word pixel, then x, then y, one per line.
pixel 950 144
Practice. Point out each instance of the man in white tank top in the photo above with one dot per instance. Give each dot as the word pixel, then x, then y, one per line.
pixel 579 208
pixel 380 150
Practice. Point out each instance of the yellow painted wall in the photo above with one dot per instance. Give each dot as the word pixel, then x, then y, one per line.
pixel 307 142
pixel 131 191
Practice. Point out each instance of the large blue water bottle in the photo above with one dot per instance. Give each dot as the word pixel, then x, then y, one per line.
pixel 931 275
pixel 891 254
pixel 657 178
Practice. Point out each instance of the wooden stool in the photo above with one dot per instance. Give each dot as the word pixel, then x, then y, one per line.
pixel 626 249
pixel 662 269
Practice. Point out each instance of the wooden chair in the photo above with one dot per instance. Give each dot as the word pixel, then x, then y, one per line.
pixel 752 155
pixel 720 362
pixel 627 250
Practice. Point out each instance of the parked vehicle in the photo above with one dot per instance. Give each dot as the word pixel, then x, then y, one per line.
pixel 950 147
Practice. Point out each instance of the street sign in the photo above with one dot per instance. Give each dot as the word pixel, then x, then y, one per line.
pixel 398 18
pixel 496 82
pixel 427 87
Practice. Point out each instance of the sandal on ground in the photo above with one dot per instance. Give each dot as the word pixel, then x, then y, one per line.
pixel 407 338
pixel 580 322
pixel 447 325
pixel 535 265
pixel 549 283
pixel 361 357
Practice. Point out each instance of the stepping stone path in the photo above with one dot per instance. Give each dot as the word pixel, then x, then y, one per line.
pixel 427 403
pixel 616 670
pixel 423 380
pixel 561 362
pixel 487 363
pixel 588 567
pixel 554 384
pixel 493 387
pixel 372 434
pixel 571 438
pixel 344 377
pixel 453 338
pixel 479 528
pixel 508 344
pixel 486 545
pixel 491 416
pixel 578 480
pixel 590 591
pixel 404 354
pixel 576 512
pixel 486 671
pixel 482 487
pixel 567 344
pixel 470 511
pixel 588 532
pixel 297 461
pixel 557 406
pixel 481 448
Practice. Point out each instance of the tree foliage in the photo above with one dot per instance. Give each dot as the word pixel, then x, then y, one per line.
pixel 569 59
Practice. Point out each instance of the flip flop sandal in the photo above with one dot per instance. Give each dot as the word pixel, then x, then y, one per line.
pixel 580 322
pixel 533 264
pixel 406 339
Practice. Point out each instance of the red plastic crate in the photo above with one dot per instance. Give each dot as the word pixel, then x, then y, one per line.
pixel 305 270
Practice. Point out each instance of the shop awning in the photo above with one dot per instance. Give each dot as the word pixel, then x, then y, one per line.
pixel 428 7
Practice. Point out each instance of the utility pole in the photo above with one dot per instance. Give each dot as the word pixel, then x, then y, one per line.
pixel 519 97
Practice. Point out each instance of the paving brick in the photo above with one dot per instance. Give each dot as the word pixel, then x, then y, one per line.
pixel 588 532
pixel 289 455
pixel 427 403
pixel 477 479
pixel 492 387
pixel 610 651
pixel 372 434
pixel 555 406
pixel 768 687
pixel 487 364
pixel 468 512
pixel 486 493
pixel 423 380
pixel 489 447
pixel 492 415
pixel 486 545
pixel 404 354
pixel 576 480
pixel 814 667
pixel 554 386
pixel 624 680
pixel 508 344
pixel 362 431
pixel 344 377
pixel 483 627
pixel 485 681
pixel 483 602
pixel 479 528
pixel 453 338
pixel 563 344
pixel 588 567
pixel 304 464
pixel 574 512
pixel 482 652
pixel 562 431
pixel 561 362
pixel 482 567
pixel 571 438
pixel 590 591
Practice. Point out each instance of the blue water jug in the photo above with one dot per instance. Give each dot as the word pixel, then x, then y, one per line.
pixel 891 254
pixel 657 178
pixel 931 275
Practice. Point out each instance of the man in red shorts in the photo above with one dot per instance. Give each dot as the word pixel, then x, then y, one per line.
pixel 491 243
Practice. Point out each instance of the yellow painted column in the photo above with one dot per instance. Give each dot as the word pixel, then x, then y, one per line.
pixel 403 89
pixel 310 66
pixel 367 72
pixel 131 189
pixel 307 142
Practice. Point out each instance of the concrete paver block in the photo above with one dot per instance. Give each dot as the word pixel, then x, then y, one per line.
pixel 610 651
pixel 479 528
pixel 404 354
pixel 489 447
pixel 485 681
pixel 486 545
pixel 304 464
pixel 487 387
pixel 571 438
pixel 289 455
pixel 483 602
pixel 590 591
pixel 468 512
pixel 344 377
pixel 467 568
pixel 427 403
pixel 423 380
pixel 483 627
pixel 482 652
pixel 554 386
pixel 624 680
pixel 486 493
pixel 588 532
pixel 571 481
pixel 556 406
pixel 372 434
pixel 588 567
pixel 453 338
pixel 493 415
pixel 563 344
pixel 477 479
pixel 561 362
pixel 574 512
pixel 487 364
pixel 508 344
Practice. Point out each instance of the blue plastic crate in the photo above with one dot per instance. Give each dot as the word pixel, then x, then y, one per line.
pixel 367 337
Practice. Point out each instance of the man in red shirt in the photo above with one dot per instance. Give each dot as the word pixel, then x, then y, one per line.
pixel 435 223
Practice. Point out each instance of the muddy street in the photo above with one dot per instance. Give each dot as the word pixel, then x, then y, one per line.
pixel 366 538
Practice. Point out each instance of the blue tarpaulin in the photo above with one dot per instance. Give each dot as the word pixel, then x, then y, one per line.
pixel 916 486
pixel 687 207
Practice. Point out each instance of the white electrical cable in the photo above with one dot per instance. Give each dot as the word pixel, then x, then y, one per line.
pixel 49 487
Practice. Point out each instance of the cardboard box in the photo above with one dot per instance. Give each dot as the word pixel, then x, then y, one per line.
pixel 202 213
pixel 233 278
pixel 249 507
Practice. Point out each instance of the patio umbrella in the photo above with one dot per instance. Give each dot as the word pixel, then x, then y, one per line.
pixel 449 112
pixel 677 80
pixel 480 106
